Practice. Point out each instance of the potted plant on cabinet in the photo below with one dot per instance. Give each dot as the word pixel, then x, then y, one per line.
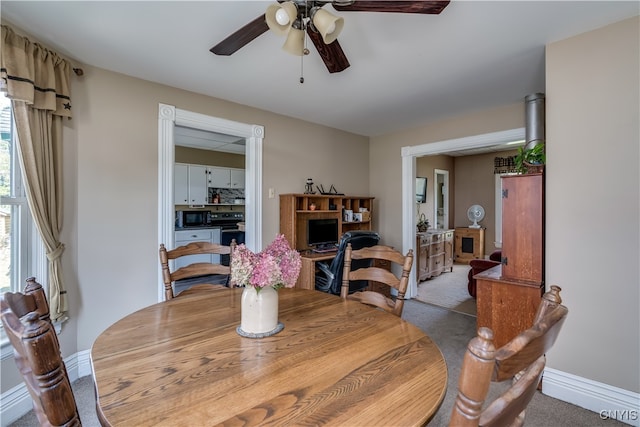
pixel 530 160
pixel 423 223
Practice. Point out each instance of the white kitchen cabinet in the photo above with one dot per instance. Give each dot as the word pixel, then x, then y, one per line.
pixel 197 185
pixel 181 184
pixel 189 184
pixel 219 177
pixel 237 178
pixel 184 237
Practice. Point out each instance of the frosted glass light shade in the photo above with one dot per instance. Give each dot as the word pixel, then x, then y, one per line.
pixel 327 24
pixel 280 16
pixel 295 42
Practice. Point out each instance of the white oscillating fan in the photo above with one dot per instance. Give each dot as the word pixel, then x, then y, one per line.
pixel 475 213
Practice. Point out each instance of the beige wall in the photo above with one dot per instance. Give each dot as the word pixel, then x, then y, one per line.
pixel 425 166
pixel 475 184
pixel 471 181
pixel 386 167
pixel 592 196
pixel 110 161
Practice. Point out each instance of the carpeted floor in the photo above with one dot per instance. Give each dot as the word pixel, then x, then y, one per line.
pixel 451 332
pixel 449 290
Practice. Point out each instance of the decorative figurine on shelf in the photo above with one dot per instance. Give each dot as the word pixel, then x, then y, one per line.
pixel 309 187
pixel 334 190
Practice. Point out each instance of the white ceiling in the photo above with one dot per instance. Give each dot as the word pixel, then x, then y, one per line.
pixel 406 69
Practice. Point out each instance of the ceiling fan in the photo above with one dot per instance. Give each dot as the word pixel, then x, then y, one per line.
pixel 292 18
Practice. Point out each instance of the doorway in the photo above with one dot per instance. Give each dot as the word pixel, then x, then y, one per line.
pixel 168 118
pixel 441 198
pixel 409 155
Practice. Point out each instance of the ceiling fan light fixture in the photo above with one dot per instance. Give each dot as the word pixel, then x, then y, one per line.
pixel 328 25
pixel 279 17
pixel 294 44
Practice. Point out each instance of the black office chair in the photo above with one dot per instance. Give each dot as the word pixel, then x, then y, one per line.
pixel 329 279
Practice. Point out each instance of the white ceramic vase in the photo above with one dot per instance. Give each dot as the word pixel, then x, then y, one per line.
pixel 259 310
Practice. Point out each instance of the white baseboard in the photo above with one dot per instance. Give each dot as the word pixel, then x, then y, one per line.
pixel 16 401
pixel 603 399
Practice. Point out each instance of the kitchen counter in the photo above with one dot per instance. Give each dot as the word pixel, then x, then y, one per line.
pixel 204 227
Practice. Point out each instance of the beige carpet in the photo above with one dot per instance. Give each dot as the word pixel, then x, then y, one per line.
pixel 449 290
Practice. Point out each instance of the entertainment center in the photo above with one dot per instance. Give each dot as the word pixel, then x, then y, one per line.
pixel 314 223
pixel 296 211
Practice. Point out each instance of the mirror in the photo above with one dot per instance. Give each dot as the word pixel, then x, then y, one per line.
pixel 421 190
pixel 441 198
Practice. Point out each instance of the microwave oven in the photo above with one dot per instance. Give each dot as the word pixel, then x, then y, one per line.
pixel 191 218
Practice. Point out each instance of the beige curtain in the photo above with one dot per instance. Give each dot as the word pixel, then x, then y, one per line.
pixel 37 82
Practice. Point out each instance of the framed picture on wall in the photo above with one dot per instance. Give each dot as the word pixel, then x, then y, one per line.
pixel 421 189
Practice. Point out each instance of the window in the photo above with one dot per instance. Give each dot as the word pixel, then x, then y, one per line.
pixel 22 252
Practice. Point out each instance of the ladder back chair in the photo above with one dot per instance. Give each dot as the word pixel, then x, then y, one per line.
pixel 203 275
pixel 25 317
pixel 392 305
pixel 521 360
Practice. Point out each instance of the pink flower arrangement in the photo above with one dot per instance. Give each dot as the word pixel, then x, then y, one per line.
pixel 277 266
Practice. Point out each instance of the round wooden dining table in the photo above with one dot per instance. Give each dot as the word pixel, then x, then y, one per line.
pixel 336 362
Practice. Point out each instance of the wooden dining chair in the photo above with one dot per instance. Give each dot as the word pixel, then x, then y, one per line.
pixel 521 360
pixel 374 273
pixel 202 275
pixel 25 317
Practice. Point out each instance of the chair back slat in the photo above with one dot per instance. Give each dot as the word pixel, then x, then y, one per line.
pixel 25 317
pixel 508 409
pixel 199 269
pixel 400 283
pixel 198 248
pixel 201 272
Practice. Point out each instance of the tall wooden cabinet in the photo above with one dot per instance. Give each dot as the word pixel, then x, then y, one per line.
pixel 508 295
pixel 522 227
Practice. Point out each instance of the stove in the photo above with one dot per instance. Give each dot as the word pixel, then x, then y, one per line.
pixel 226 220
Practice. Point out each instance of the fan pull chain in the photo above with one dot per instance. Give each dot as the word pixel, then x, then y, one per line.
pixel 305 50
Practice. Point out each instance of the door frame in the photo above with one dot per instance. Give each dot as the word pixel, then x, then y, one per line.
pixel 409 155
pixel 168 117
pixel 445 199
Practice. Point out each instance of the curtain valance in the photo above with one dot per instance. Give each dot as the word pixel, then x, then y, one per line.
pixel 34 74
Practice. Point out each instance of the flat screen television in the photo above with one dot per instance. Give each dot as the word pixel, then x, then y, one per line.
pixel 322 232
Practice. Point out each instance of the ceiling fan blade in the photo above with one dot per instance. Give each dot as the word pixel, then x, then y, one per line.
pixel 241 37
pixel 433 7
pixel 332 54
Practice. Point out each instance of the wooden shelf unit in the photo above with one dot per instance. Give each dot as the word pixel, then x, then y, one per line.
pixel 295 212
pixel 469 244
